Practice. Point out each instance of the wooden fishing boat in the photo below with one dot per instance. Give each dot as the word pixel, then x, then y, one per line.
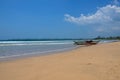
pixel 88 42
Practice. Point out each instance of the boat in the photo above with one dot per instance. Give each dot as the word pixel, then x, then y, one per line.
pixel 88 42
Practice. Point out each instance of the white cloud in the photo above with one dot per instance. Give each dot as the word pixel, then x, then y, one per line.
pixel 104 18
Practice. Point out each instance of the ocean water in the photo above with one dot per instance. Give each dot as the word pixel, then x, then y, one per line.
pixel 15 49
pixel 10 49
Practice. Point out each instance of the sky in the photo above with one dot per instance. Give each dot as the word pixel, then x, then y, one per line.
pixel 59 18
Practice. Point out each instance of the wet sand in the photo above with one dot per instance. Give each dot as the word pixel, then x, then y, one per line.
pixel 97 62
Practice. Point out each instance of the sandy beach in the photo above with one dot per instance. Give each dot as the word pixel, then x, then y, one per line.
pixel 97 62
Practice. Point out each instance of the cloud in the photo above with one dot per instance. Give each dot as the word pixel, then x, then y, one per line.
pixel 107 17
pixel 103 15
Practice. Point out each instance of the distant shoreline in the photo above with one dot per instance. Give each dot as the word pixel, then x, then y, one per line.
pixel 48 39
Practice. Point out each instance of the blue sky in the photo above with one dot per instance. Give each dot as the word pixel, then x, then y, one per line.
pixel 59 18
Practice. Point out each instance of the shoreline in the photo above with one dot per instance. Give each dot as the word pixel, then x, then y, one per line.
pixel 35 54
pixel 97 62
pixel 41 53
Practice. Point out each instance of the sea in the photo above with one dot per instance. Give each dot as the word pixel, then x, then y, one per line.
pixel 18 49
pixel 13 49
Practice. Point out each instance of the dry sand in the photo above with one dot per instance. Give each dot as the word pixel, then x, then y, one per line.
pixel 97 62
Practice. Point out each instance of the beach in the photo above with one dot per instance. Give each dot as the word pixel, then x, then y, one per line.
pixel 96 62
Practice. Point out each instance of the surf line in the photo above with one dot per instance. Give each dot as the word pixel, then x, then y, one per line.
pixel 57 50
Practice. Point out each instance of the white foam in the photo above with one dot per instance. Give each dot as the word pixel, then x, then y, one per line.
pixel 20 43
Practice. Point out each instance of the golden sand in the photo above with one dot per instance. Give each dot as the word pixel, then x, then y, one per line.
pixel 97 62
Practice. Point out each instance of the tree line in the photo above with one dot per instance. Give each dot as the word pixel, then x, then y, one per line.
pixel 109 38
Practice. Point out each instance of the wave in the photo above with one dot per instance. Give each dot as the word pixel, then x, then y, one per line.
pixel 20 43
